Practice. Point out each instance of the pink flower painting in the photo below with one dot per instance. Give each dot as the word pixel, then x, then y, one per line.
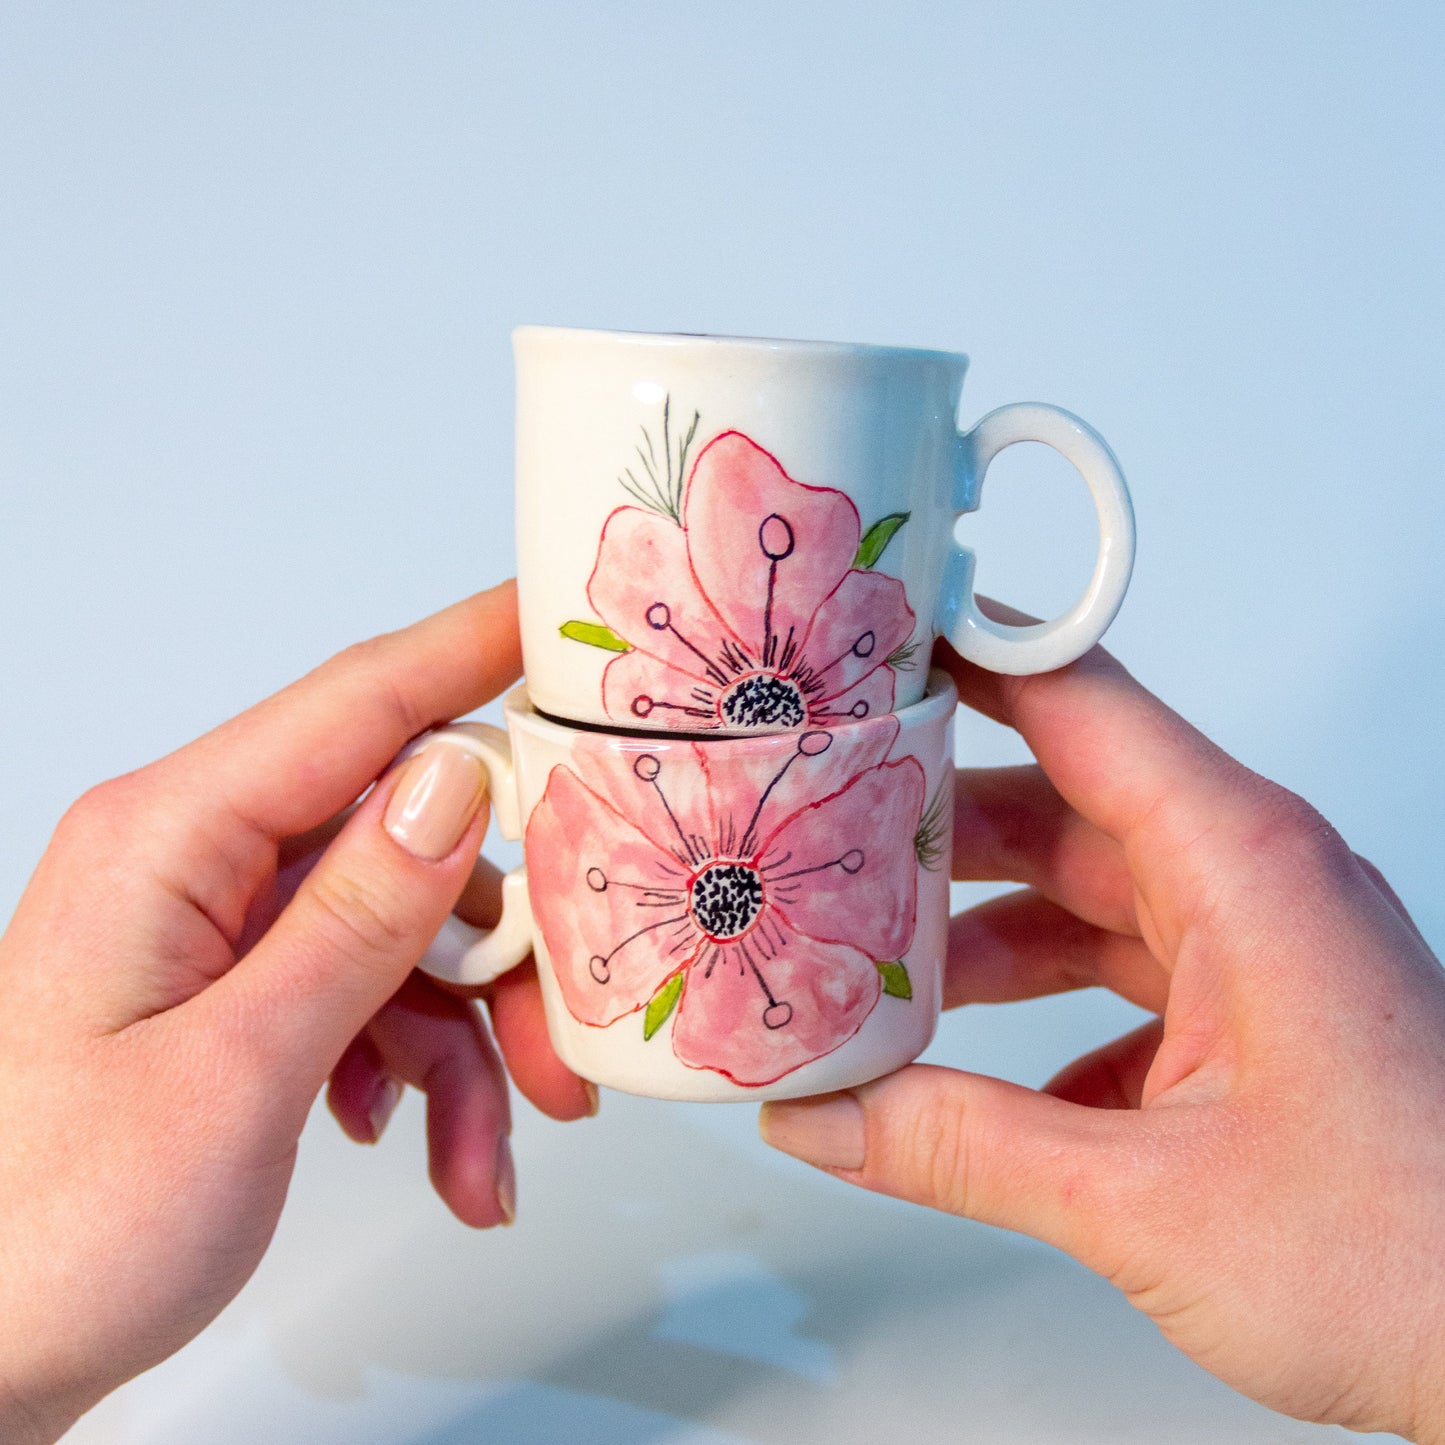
pixel 760 898
pixel 745 601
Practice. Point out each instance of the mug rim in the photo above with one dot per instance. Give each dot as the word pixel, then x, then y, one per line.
pixel 680 339
pixel 940 697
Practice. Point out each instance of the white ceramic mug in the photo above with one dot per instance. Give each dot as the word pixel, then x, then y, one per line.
pixel 722 918
pixel 717 534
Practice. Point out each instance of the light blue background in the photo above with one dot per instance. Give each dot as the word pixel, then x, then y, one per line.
pixel 258 267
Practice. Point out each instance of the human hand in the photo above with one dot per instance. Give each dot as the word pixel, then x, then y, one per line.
pixel 201 946
pixel 1261 1169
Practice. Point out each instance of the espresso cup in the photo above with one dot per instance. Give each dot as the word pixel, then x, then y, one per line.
pixel 722 918
pixel 733 536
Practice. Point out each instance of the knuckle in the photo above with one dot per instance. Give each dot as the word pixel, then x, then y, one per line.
pixel 383 664
pixel 103 800
pixel 363 656
pixel 362 913
pixel 938 1155
pixel 1286 831
pixel 1372 872
pixel 102 811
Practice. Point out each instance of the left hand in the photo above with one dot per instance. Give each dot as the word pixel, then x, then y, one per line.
pixel 195 956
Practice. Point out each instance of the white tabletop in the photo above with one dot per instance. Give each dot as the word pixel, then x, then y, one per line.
pixel 669 1281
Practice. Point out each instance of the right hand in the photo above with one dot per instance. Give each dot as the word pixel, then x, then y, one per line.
pixel 1261 1168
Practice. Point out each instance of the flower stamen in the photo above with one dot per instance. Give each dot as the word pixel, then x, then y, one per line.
pixel 659 619
pixel 601 968
pixel 642 705
pixel 809 745
pixel 851 862
pixel 779 1012
pixel 862 648
pixel 647 768
pixel 775 538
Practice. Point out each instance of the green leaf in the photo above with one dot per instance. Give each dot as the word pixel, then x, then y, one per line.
pixel 896 983
pixel 594 634
pixel 661 1005
pixel 877 537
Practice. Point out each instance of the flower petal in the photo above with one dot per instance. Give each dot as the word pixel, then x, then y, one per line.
pixel 755 784
pixel 613 911
pixel 759 1009
pixel 637 685
pixel 766 550
pixel 855 631
pixel 844 869
pixel 644 590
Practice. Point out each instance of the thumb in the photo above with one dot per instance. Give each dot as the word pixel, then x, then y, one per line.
pixel 365 914
pixel 967 1144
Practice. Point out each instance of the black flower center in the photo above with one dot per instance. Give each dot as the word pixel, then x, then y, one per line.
pixel 725 899
pixel 764 700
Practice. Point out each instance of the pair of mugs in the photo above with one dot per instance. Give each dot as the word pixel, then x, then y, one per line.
pixel 730 764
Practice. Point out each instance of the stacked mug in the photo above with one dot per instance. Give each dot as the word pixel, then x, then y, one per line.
pixel 730 764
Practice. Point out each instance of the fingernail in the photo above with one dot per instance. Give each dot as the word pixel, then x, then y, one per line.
pixel 436 798
pixel 826 1132
pixel 506 1181
pixel 594 1099
pixel 383 1105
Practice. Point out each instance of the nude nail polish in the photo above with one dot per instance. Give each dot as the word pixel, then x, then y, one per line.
pixel 506 1181
pixel 825 1132
pixel 436 798
pixel 383 1105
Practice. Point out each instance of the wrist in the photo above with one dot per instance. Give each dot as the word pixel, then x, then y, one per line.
pixel 22 1424
pixel 27 1419
pixel 1428 1425
pixel 1427 1414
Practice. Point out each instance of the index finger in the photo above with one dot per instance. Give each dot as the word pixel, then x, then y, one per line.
pixel 1214 851
pixel 293 761
pixel 1114 751
pixel 1123 760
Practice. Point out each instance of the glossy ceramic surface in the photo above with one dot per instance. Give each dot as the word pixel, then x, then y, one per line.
pixel 723 918
pixel 731 536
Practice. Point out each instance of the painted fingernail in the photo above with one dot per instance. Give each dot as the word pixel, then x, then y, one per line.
pixel 825 1132
pixel 506 1181
pixel 594 1099
pixel 383 1105
pixel 436 798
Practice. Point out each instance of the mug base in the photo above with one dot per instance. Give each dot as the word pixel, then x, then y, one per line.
pixel 718 1090
pixel 882 1046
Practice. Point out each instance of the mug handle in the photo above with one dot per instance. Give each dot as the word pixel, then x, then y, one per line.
pixel 1040 646
pixel 461 953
